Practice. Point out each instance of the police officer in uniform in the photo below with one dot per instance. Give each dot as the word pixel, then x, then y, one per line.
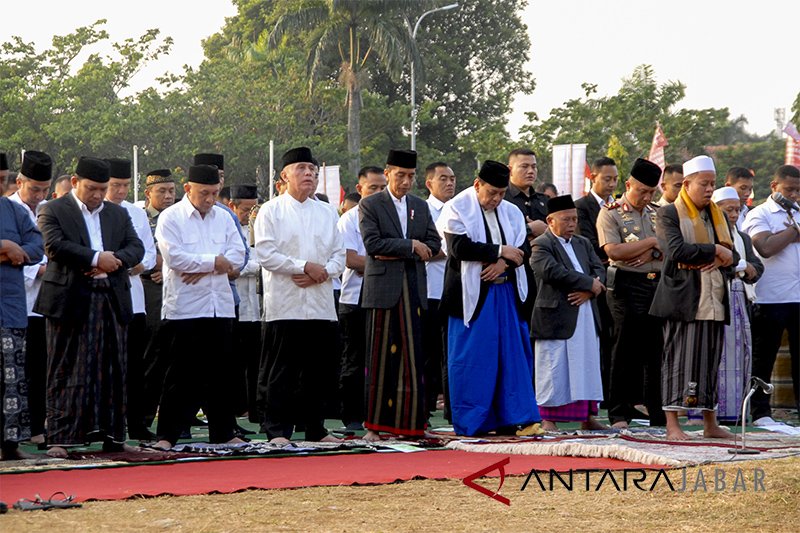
pixel 626 231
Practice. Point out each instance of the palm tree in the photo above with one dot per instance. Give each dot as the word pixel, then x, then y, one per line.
pixel 357 31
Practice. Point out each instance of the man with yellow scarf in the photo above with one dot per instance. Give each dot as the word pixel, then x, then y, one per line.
pixel 692 296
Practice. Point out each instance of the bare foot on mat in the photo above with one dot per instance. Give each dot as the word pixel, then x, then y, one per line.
pixel 57 452
pixel 717 432
pixel 592 423
pixel 279 441
pixel 371 436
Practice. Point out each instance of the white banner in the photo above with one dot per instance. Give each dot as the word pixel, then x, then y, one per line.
pixel 569 164
pixel 329 183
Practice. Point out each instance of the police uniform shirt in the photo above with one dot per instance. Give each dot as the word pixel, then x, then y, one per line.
pixel 620 223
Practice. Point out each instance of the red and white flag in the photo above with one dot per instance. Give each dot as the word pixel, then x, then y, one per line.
pixel 792 152
pixel 791 130
pixel 657 148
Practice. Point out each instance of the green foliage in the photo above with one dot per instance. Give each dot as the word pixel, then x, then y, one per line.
pixel 796 111
pixel 631 116
pixel 763 157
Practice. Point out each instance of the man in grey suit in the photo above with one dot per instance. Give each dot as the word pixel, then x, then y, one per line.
pixel 399 236
pixel 566 321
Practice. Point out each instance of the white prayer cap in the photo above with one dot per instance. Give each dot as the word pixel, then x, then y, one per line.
pixel 724 193
pixel 701 163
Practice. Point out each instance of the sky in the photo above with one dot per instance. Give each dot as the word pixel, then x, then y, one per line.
pixel 737 54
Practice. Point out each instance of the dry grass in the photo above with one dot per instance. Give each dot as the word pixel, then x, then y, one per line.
pixel 448 506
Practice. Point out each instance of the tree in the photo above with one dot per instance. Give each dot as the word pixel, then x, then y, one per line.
pixel 359 31
pixel 630 116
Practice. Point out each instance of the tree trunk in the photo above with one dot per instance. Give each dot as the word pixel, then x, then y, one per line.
pixel 354 125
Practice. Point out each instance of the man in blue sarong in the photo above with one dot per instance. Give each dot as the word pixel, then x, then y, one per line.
pixel 490 361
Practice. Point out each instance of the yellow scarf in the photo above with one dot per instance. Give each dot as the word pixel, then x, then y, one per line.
pixel 692 227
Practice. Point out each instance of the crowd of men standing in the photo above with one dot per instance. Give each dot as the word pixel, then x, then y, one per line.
pixel 512 308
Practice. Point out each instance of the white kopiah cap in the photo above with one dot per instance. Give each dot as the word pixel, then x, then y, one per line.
pixel 701 163
pixel 725 193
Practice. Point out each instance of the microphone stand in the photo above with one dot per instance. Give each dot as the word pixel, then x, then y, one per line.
pixel 745 404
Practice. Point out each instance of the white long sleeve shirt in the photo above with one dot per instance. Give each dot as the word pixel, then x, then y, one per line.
pixel 142 227
pixel 351 234
pixel 288 234
pixel 247 285
pixel 189 243
pixel 33 282
pixel 435 268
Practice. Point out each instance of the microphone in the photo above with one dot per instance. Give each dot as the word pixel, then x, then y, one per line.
pixel 784 202
pixel 763 385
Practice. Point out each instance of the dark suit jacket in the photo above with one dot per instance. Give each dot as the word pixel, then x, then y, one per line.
pixel 588 211
pixel 678 294
pixel 462 248
pixel 751 257
pixel 383 236
pixel 65 288
pixel 553 316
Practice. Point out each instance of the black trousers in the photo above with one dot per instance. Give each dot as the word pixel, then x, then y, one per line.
pixel 156 358
pixel 198 375
pixel 434 343
pixel 292 380
pixel 606 342
pixel 769 323
pixel 135 400
pixel 635 372
pixel 247 355
pixel 36 371
pixel 352 391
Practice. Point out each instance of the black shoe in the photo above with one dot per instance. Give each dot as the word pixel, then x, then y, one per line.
pixel 354 426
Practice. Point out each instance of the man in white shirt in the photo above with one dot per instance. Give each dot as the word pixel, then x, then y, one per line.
pixel 741 179
pixel 776 238
pixel 300 250
pixel 33 184
pixel 119 184
pixel 247 329
pixel 352 317
pixel 200 246
pixel 440 181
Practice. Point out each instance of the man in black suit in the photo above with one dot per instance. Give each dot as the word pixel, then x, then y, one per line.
pixel 399 236
pixel 604 179
pixel 86 299
pixel 566 320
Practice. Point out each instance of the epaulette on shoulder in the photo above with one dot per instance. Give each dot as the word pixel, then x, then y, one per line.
pixel 613 205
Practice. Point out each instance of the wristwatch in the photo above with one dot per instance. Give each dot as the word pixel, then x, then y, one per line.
pixel 657 254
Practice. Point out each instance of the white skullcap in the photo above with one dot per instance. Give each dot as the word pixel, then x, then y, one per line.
pixel 701 163
pixel 724 193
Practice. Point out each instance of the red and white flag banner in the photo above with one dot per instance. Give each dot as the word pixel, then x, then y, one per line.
pixel 657 148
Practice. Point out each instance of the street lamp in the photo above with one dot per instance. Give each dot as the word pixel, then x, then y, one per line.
pixel 413 75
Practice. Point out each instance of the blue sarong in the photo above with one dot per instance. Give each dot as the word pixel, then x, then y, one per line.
pixel 490 367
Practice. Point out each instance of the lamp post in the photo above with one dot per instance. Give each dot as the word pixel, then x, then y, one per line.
pixel 413 74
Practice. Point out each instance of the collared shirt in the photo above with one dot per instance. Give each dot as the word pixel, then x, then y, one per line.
pixel 289 234
pixel 401 206
pixel 567 245
pixel 600 201
pixel 624 224
pixel 246 245
pixel 33 282
pixel 190 243
pixel 533 205
pixel 142 227
pixel 92 221
pixel 351 239
pixel 247 285
pixel 435 268
pixel 781 280
pixel 712 285
pixel 742 216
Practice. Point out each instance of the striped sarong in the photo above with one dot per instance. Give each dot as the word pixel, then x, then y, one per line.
pixel 14 416
pixel 395 377
pixel 86 374
pixel 691 361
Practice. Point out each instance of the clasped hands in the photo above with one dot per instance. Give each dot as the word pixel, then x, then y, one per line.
pixel 221 266
pixel 313 274
pixel 723 257
pixel 492 271
pixel 580 297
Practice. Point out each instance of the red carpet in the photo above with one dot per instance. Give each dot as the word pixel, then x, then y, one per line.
pixel 231 475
